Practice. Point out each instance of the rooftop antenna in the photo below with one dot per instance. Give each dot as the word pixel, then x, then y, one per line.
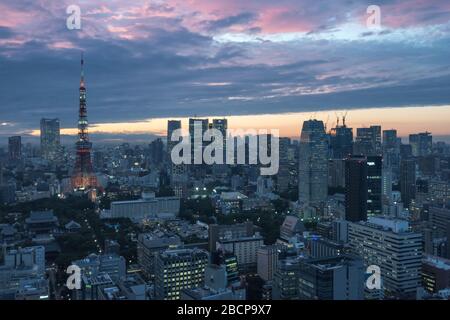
pixel 343 118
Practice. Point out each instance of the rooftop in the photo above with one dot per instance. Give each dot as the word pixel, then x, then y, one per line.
pixel 232 196
pixel 388 223
pixel 41 217
pixel 437 262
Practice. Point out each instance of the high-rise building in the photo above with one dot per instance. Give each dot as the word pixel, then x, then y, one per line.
pixel 99 160
pixel 234 231
pixel 439 219
pixel 331 278
pixel 313 164
pixel 50 139
pixel 435 273
pixel 245 249
pixel 368 141
pixel 7 191
pixel 178 172
pixel 15 148
pixel 222 126
pixel 341 141
pixel 374 185
pixel 229 260
pixel 356 191
pixel 340 231
pixel 177 270
pixel 336 173
pixel 172 125
pixel 285 279
pixel 83 176
pixel 156 152
pixel 389 244
pixel 198 126
pixel 267 261
pixel 421 144
pixel 391 156
pixel 149 245
pixel 391 152
pixel 390 139
pixel 386 185
pixel 407 181
pixel 283 176
pixel 405 151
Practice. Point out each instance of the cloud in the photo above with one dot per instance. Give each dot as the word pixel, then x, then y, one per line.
pixel 240 19
pixel 179 58
pixel 5 33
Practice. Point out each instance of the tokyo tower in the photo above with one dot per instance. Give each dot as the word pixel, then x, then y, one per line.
pixel 83 177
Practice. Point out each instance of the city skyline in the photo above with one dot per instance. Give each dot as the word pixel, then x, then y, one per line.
pixel 225 59
pixel 289 125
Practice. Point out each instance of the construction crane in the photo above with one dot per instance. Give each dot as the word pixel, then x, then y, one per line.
pixel 343 118
pixel 326 123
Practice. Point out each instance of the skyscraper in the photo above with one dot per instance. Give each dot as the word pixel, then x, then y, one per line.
pixel 83 176
pixel 156 152
pixel 368 141
pixel 391 151
pixel 50 138
pixel 374 185
pixel 389 244
pixel 15 148
pixel 172 125
pixel 283 175
pixel 356 188
pixel 407 181
pixel 222 126
pixel 199 126
pixel 341 141
pixel 178 177
pixel 386 185
pixel 421 144
pixel 313 164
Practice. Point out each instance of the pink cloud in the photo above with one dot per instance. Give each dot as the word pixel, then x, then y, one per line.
pixel 12 18
pixel 62 45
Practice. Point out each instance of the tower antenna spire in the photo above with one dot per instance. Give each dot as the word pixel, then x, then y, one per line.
pixel 82 70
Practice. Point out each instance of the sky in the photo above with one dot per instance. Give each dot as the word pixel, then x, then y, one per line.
pixel 263 63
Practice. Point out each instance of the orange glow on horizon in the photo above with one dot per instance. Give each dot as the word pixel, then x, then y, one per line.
pixel 435 119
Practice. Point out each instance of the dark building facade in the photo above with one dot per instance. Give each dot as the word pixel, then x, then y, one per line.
pixel 356 188
pixel 374 185
pixel 50 138
pixel 408 181
pixel 15 148
pixel 341 141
